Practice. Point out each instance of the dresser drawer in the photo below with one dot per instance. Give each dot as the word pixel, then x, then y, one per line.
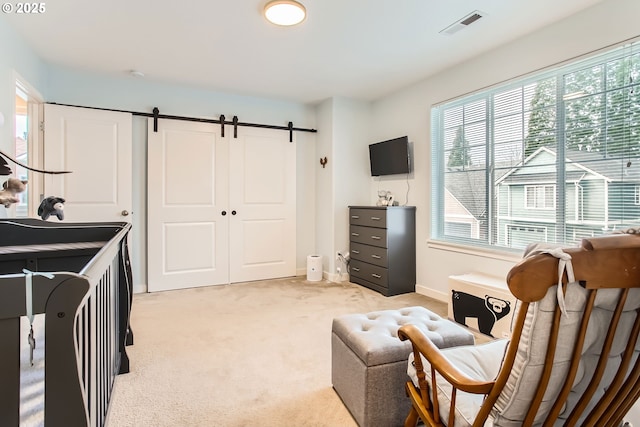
pixel 368 235
pixel 368 217
pixel 372 273
pixel 371 254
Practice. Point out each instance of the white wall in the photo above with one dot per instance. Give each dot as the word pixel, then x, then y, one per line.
pixel 351 172
pixel 344 179
pixel 408 112
pixel 324 184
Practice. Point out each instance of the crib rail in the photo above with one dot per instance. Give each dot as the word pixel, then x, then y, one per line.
pixel 86 322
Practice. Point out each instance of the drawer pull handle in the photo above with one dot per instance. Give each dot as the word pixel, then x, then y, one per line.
pixel 375 218
pixel 376 237
pixel 375 256
pixel 355 216
pixel 355 269
pixel 377 276
pixel 355 251
pixel 355 234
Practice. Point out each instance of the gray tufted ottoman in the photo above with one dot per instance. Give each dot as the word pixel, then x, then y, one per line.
pixel 369 362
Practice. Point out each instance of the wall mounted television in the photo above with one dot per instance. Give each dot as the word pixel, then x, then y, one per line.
pixel 390 157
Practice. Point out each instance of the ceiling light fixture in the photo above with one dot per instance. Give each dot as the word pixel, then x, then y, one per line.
pixel 285 12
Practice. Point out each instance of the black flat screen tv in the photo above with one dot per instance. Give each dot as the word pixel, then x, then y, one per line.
pixel 390 157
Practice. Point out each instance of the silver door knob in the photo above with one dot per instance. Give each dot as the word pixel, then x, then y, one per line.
pixel 124 213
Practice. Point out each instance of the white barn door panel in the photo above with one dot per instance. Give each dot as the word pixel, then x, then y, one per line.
pixel 188 231
pixel 220 210
pixel 263 187
pixel 96 146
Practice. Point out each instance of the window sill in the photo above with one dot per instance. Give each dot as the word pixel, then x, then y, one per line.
pixel 469 250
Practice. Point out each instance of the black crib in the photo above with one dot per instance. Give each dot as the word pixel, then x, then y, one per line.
pixel 86 307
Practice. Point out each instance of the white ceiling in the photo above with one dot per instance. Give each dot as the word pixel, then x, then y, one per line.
pixel 360 49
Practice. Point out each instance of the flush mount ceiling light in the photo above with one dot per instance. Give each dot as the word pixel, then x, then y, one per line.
pixel 285 12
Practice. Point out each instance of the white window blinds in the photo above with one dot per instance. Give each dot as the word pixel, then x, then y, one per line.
pixel 552 157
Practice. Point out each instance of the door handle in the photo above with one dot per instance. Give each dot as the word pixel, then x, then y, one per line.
pixel 233 212
pixel 224 213
pixel 124 213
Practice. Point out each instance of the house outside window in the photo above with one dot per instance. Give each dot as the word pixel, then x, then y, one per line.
pixel 558 151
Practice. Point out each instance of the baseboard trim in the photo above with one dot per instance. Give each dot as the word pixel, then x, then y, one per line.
pixel 140 288
pixel 432 293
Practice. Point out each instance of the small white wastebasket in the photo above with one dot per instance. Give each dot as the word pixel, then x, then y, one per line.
pixel 314 268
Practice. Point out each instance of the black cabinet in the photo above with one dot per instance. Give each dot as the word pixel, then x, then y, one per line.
pixel 383 248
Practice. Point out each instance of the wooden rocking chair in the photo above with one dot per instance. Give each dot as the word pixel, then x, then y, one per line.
pixel 572 358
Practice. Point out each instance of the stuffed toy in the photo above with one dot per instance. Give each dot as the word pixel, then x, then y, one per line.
pixel 10 188
pixel 51 206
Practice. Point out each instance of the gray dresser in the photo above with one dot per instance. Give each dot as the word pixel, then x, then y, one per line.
pixel 383 248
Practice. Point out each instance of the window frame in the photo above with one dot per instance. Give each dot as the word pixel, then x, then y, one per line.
pixel 573 211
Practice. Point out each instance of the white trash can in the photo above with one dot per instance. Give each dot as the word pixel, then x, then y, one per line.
pixel 314 268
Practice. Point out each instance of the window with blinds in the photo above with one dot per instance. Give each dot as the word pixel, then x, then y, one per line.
pixel 553 157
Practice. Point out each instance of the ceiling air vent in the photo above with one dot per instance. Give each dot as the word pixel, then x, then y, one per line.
pixel 463 23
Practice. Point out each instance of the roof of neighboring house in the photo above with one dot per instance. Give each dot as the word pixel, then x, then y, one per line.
pixel 615 169
pixel 580 164
pixel 469 188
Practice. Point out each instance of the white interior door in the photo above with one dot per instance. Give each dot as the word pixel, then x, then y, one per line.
pixel 262 178
pixel 188 222
pixel 96 146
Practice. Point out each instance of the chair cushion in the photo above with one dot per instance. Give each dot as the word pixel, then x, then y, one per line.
pixel 481 362
pixel 513 403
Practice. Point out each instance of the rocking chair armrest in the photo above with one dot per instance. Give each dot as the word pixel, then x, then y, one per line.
pixel 440 363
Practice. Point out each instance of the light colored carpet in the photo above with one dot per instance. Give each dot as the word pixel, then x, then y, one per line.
pixel 249 354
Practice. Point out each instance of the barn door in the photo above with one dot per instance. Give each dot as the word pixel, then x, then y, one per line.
pixel 188 222
pixel 262 179
pixel 220 210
